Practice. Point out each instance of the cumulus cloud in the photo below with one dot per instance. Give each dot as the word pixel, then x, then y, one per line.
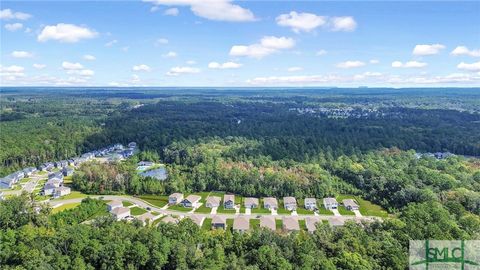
pixel 67 33
pixel 141 67
pixel 111 43
pixel 71 66
pixel 21 54
pixel 294 69
pixel 409 64
pixel 427 49
pixel 469 67
pixel 39 66
pixel 176 71
pixel 226 65
pixel 462 50
pixel 374 61
pixel 217 10
pixel 12 70
pixel 267 45
pixel 191 62
pixel 350 64
pixel 170 54
pixel 321 52
pixel 161 41
pixel 89 57
pixel 346 23
pixel 12 27
pixel 8 14
pixel 171 12
pixel 299 22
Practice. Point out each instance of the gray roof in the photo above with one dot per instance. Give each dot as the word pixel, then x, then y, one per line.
pixel 193 198
pixel 228 197
pixel 219 219
pixel 335 221
pixel 349 202
pixel 250 201
pixel 120 210
pixel 213 200
pixel 311 222
pixel 330 200
pixel 115 203
pixel 270 201
pixel 241 223
pixel 170 219
pixel 267 221
pixel 310 201
pixel 289 200
pixel 197 219
pixel 290 223
pixel 176 195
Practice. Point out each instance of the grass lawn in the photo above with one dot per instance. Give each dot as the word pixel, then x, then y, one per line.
pixel 366 208
pixel 159 201
pixel 260 210
pixel 207 224
pixel 64 207
pixel 203 209
pixel 254 223
pixel 242 210
pixel 24 180
pixel 323 211
pixel 278 224
pixel 39 197
pixel 126 203
pixel 67 180
pixel 180 208
pixel 282 210
pixel 155 213
pixel 324 221
pixel 136 211
pixel 223 210
pixel 303 211
pixel 343 211
pixel 72 195
pixel 302 224
pixel 229 222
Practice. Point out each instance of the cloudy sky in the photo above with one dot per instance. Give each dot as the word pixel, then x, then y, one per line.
pixel 240 43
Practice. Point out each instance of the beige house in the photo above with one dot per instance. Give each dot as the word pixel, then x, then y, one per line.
pixel 191 201
pixel 290 203
pixel 251 202
pixel 330 203
pixel 197 219
pixel 175 198
pixel 336 221
pixel 270 203
pixel 290 224
pixel 114 204
pixel 310 204
pixel 120 212
pixel 311 223
pixel 350 204
pixel 267 221
pixel 241 224
pixel 212 201
pixel 219 222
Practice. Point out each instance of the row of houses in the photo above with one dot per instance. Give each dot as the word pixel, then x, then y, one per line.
pixel 54 185
pixel 11 179
pixel 120 212
pixel 289 203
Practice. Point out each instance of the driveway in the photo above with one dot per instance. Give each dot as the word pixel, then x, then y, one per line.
pixel 335 212
pixel 248 211
pixel 214 210
pixel 357 213
pixel 274 212
pixel 294 213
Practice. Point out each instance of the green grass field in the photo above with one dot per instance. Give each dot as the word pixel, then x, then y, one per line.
pixel 126 203
pixel 179 208
pixel 223 210
pixel 254 223
pixel 136 211
pixel 24 180
pixel 159 201
pixel 302 224
pixel 344 212
pixel 278 224
pixel 260 210
pixel 203 209
pixel 64 207
pixel 303 211
pixel 229 222
pixel 322 211
pixel 282 210
pixel 366 208
pixel 207 224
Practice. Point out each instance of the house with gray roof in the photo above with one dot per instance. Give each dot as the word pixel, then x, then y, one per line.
pixel 290 203
pixel 336 221
pixel 191 201
pixel 251 202
pixel 270 203
pixel 310 204
pixel 330 203
pixel 175 198
pixel 350 204
pixel 290 224
pixel 311 223
pixel 267 221
pixel 213 201
pixel 197 219
pixel 241 224
pixel 219 222
pixel 121 212
pixel 229 201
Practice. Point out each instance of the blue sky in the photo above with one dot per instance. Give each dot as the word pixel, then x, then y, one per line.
pixel 240 43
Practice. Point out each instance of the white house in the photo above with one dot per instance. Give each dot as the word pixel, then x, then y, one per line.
pixel 121 212
pixel 290 203
pixel 175 198
pixel 330 203
pixel 61 191
pixel 270 203
pixel 310 204
pixel 229 201
pixel 212 201
pixel 114 204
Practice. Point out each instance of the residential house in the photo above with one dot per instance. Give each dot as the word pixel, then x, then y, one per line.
pixel 229 201
pixel 61 191
pixel 311 223
pixel 175 198
pixel 49 188
pixel 219 222
pixel 88 156
pixel 290 224
pixel 67 171
pixel 61 164
pixel 290 203
pixel 47 166
pixel 270 203
pixel 145 163
pixel 170 219
pixel 127 153
pixel 251 202
pixel 241 224
pixel 58 175
pixel 7 181
pixel 350 204
pixel 191 201
pixel 267 221
pixel 311 204
pixel 29 171
pixel 71 162
pixel 330 203
pixel 197 219
pixel 120 212
pixel 114 204
pixel 146 218
pixel 336 221
pixel 132 145
pixel 212 201
pixel 118 146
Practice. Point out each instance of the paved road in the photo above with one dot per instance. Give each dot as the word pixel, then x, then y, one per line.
pixel 144 204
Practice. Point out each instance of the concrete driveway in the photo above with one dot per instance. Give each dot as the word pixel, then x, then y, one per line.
pixel 214 210
pixel 357 213
pixel 335 212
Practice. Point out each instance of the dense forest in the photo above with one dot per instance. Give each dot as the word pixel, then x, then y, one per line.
pixel 253 142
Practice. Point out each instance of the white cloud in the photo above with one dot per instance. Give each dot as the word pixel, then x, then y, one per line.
pixel 8 14
pixel 302 79
pixel 218 10
pixel 350 64
pixel 346 23
pixel 111 43
pixel 321 52
pixel 21 54
pixel 267 45
pixel 71 66
pixel 170 54
pixel 12 27
pixel 462 50
pixel 171 12
pixel 141 67
pixel 299 22
pixel 161 41
pixel 176 71
pixel 226 65
pixel 374 61
pixel 469 67
pixel 426 49
pixel 89 57
pixel 12 70
pixel 39 66
pixel 68 33
pixel 409 64
pixel 294 69
pixel 191 62
pixel 125 48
